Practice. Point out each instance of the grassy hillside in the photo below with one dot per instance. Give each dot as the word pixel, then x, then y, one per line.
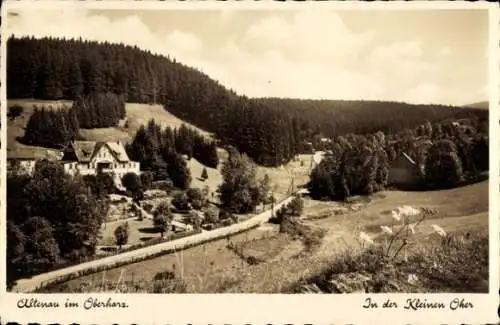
pixel 283 263
pixel 15 128
pixel 136 115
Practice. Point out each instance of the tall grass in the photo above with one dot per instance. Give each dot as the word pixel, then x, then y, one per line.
pixel 401 257
pixel 400 260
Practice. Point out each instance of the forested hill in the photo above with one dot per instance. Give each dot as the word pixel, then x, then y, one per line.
pixel 270 130
pixel 482 105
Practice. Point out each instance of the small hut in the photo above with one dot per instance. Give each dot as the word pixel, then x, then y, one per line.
pixel 404 172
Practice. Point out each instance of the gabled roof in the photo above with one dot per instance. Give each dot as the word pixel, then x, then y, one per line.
pixel 118 150
pixel 85 151
pixel 409 159
pixel 403 161
pixel 33 155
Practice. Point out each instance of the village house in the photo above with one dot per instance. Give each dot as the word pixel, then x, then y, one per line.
pixel 24 162
pixel 90 157
pixel 21 165
pixel 404 172
pixel 83 158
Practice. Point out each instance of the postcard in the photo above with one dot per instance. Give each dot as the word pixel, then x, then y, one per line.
pixel 249 162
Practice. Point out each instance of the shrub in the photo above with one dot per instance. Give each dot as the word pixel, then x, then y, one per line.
pixel 167 282
pixel 295 207
pixel 194 219
pixel 211 216
pixel 121 235
pixel 14 112
pixel 131 182
pixel 224 214
pixel 148 207
pixel 181 201
pixel 138 195
pixel 196 198
pixel 227 222
pixel 162 217
pixel 164 185
pixel 100 184
pixel 146 179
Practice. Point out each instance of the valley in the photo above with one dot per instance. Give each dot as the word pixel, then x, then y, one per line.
pixel 160 179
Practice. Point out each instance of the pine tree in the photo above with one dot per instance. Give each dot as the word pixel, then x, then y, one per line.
pixel 178 171
pixel 204 174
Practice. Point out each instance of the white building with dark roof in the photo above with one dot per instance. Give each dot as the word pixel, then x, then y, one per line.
pixel 90 157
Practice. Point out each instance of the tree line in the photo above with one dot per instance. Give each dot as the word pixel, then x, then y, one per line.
pixel 52 218
pixel 445 154
pixel 269 130
pixel 99 110
pixel 241 191
pixel 160 150
pixel 53 128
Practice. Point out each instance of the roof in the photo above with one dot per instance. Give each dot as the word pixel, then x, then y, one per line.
pixel 33 155
pixel 403 161
pixel 85 151
pixel 409 158
pixel 118 150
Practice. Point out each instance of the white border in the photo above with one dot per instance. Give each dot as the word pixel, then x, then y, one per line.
pixel 268 309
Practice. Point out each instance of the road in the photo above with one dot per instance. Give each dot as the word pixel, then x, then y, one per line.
pixel 31 284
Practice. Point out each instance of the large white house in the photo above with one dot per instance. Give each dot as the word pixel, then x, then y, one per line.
pixel 90 157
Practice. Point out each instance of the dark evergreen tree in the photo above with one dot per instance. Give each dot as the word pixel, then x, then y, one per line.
pixel 269 130
pixel 443 167
pixel 178 171
pixel 204 174
pixel 51 128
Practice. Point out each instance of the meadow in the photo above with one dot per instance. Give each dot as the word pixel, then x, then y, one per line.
pixel 264 260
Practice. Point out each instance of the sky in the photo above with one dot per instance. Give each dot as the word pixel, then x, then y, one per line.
pixel 420 57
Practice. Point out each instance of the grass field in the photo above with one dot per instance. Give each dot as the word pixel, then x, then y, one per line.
pixel 16 127
pixel 456 209
pixel 282 261
pixel 139 231
pixel 136 115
